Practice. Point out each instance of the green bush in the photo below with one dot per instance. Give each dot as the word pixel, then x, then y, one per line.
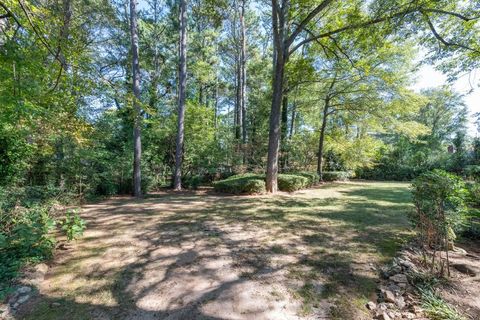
pixel 291 182
pixel 313 177
pixel 26 225
pixel 241 184
pixel 192 182
pixel 251 183
pixel 473 193
pixel 336 175
pixel 473 172
pixel 73 226
pixel 440 207
pixel 25 236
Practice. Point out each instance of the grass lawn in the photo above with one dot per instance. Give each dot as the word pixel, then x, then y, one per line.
pixel 200 255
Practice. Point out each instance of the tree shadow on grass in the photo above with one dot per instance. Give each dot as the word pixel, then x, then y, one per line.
pixel 173 256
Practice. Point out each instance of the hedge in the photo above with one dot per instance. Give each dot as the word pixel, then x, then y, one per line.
pixel 313 177
pixel 336 175
pixel 255 183
pixel 241 184
pixel 291 182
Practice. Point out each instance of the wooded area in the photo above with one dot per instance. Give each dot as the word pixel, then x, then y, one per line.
pixel 102 98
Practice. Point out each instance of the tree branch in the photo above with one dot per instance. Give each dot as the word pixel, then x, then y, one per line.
pixel 442 40
pixel 306 20
pixel 42 39
pixel 352 27
pixel 9 13
pixel 455 14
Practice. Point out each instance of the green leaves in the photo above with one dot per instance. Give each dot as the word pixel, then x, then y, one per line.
pixel 72 225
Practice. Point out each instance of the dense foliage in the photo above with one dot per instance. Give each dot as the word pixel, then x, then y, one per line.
pixel 440 209
pixel 323 87
pixel 29 218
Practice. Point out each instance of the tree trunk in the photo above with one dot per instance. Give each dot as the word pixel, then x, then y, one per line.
pixel 284 129
pixel 182 83
pixel 274 131
pixel 243 74
pixel 137 143
pixel 238 103
pixel 322 138
pixel 281 54
pixel 292 123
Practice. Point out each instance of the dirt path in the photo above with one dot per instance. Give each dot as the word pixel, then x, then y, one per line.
pixel 206 256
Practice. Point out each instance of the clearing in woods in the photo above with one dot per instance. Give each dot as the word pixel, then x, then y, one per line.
pixel 199 255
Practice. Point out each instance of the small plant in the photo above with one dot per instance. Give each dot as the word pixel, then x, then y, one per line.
pixel 436 308
pixel 73 225
pixel 440 210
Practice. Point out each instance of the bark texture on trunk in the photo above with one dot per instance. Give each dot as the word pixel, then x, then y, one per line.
pixel 137 143
pixel 274 130
pixel 243 73
pixel 281 53
pixel 182 83
pixel 321 139
pixel 284 129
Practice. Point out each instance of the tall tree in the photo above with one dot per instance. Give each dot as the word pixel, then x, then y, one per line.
pixel 243 73
pixel 137 113
pixel 182 83
pixel 293 31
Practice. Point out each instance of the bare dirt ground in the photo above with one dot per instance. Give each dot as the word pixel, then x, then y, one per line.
pixel 463 287
pixel 198 255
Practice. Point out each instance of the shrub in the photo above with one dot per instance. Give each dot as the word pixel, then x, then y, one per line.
pixel 313 177
pixel 24 237
pixel 241 184
pixel 290 182
pixel 192 182
pixel 473 193
pixel 439 199
pixel 336 175
pixel 73 226
pixel 26 225
pixel 473 172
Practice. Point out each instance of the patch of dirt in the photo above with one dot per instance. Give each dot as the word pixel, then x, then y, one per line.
pixel 463 290
pixel 205 256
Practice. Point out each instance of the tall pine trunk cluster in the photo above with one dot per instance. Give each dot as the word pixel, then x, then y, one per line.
pixel 137 114
pixel 182 84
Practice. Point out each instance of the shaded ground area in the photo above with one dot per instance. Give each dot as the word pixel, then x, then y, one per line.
pixel 199 255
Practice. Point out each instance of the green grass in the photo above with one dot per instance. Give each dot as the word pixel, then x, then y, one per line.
pixel 339 230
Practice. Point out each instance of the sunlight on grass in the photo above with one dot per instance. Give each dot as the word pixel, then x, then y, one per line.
pixel 332 235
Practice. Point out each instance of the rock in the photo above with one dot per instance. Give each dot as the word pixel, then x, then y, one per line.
pixel 400 302
pixel 408 265
pixel 408 315
pixel 5 311
pixel 399 278
pixel 395 289
pixel 383 316
pixel 389 296
pixel 371 305
pixel 23 299
pixel 382 306
pixel 24 289
pixel 417 310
